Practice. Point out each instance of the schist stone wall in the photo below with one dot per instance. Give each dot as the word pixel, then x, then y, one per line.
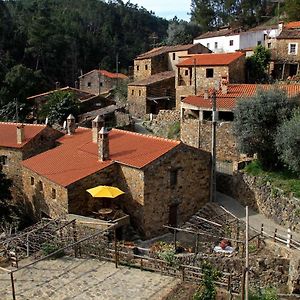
pixel 177 182
pixel 198 134
pixel 137 97
pixel 280 51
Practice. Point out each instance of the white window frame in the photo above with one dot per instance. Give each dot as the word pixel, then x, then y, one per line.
pixel 296 49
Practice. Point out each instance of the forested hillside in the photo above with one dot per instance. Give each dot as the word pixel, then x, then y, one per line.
pixel 45 41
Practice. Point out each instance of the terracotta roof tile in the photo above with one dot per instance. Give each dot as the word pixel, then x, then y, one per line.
pixel 8 134
pixel 228 101
pixel 112 75
pixel 211 59
pixel 77 156
pixel 154 78
pixel 291 25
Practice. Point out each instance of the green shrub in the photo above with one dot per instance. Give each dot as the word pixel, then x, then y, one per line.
pixel 268 293
pixel 174 131
pixel 49 248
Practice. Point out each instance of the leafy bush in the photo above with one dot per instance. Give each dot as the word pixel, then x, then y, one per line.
pixel 288 142
pixel 174 131
pixel 268 293
pixel 49 248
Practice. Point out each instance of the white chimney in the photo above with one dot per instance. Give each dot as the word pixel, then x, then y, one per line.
pixel 20 134
pixel 103 145
pixel 71 126
pixel 97 124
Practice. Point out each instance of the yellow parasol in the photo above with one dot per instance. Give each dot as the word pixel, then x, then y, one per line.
pixel 103 191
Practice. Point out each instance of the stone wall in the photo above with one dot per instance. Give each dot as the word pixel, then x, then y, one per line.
pixel 90 82
pixel 262 197
pixel 198 134
pixel 39 191
pixel 189 193
pixel 280 51
pixel 237 71
pixel 137 96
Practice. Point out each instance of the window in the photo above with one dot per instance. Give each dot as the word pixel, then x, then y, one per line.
pixel 258 43
pixel 174 56
pixel 101 83
pixel 209 73
pixel 173 177
pixel 53 193
pixel 32 180
pixel 137 68
pixel 186 72
pixel 89 84
pixel 207 45
pixel 3 160
pixel 132 92
pixel 216 45
pixel 40 186
pixel 269 45
pixel 231 43
pixel 140 93
pixel 293 48
pixel 146 67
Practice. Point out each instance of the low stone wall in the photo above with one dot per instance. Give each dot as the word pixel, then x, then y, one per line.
pixel 262 197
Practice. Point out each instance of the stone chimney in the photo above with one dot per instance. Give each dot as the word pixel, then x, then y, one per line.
pixel 103 145
pixel 20 134
pixel 224 85
pixel 71 125
pixel 97 124
pixel 205 96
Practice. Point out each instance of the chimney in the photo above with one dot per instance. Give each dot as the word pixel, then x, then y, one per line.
pixel 103 145
pixel 205 96
pixel 71 126
pixel 224 85
pixel 97 124
pixel 20 134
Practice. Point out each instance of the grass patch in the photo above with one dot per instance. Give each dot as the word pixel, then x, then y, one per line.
pixel 283 179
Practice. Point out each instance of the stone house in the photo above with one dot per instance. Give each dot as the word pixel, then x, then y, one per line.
pixel 165 181
pixel 203 71
pixel 152 94
pixel 87 101
pixel 163 59
pixel 22 141
pixel 196 115
pixel 100 81
pixel 285 53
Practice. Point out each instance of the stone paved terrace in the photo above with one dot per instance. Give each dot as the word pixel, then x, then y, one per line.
pixel 76 279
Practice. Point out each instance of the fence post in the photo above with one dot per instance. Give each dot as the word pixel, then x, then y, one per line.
pixel 288 240
pixel 275 234
pixel 116 248
pixel 27 245
pixel 262 230
pixel 12 286
pixel 175 239
pixel 75 239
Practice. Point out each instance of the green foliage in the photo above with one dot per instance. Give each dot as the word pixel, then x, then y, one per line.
pixel 49 248
pixel 292 8
pixel 256 122
pixel 58 106
pixel 283 179
pixel 174 131
pixel 207 290
pixel 268 293
pixel 181 32
pixel 288 142
pixel 257 64
pixel 166 252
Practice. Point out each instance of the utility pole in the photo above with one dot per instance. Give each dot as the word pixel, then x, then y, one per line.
pixel 17 110
pixel 117 68
pixel 195 77
pixel 247 256
pixel 213 147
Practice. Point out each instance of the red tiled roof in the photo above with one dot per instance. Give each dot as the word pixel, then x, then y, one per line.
pixel 291 25
pixel 112 75
pixel 77 156
pixel 228 101
pixel 8 134
pixel 211 59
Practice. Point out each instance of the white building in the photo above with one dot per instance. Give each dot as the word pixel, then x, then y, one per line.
pixel 230 40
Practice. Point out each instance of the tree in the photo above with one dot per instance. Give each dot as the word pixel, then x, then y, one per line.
pixel 256 120
pixel 58 106
pixel 207 290
pixel 257 64
pixel 181 32
pixel 5 195
pixel 288 142
pixel 268 293
pixel 292 8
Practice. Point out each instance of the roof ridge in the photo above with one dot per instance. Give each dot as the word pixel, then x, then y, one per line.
pixel 148 136
pixel 15 123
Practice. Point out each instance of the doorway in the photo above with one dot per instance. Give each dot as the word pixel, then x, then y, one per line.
pixel 173 215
